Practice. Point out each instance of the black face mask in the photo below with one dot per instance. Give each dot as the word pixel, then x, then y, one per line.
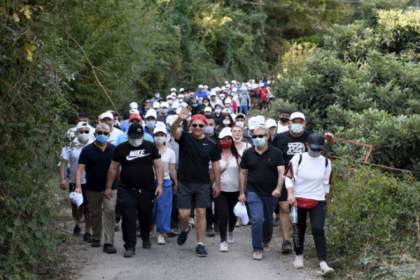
pixel 284 120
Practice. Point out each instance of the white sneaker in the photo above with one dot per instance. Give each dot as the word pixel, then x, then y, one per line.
pixel 238 223
pixel 231 238
pixel 298 262
pixel 192 222
pixel 224 247
pixel 325 269
pixel 161 239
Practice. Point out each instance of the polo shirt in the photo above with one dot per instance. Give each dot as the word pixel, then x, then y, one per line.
pixel 262 169
pixel 97 163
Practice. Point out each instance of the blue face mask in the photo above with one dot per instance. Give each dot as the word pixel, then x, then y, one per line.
pixel 259 142
pixel 200 102
pixel 209 130
pixel 195 105
pixel 150 124
pixel 101 139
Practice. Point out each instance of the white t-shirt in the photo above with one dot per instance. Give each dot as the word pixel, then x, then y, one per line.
pixel 71 153
pixel 311 178
pixel 167 158
pixel 281 128
pixel 246 146
pixel 229 180
pixel 115 133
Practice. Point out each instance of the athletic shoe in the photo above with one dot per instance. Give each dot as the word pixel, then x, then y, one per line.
pixel 257 256
pixel 76 230
pixel 325 269
pixel 266 247
pixel 224 247
pixel 161 239
pixel 210 232
pixel 129 252
pixel 231 238
pixel 182 237
pixel 201 250
pixel 147 244
pixel 87 237
pixel 96 243
pixel 298 262
pixel 173 232
pixel 238 223
pixel 109 249
pixel 286 247
pixel 192 222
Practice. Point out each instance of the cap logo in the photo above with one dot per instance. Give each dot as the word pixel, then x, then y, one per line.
pixel 139 130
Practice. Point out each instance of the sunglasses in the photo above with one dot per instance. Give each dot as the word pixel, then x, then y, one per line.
pixel 259 136
pixel 102 133
pixel 147 102
pixel 199 125
pixel 84 131
pixel 317 150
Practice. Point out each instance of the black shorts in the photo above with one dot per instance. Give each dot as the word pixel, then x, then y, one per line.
pixel 189 192
pixel 283 195
pixel 72 187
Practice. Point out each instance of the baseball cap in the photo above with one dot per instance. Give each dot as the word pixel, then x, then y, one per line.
pixel 240 115
pixel 175 105
pixel 270 123
pixel 227 131
pixel 135 130
pixel 213 94
pixel 199 117
pixel 181 90
pixel 170 119
pixel 151 113
pixel 133 111
pixel 160 128
pixel 206 87
pixel 261 119
pixel 316 141
pixel 173 89
pixel 135 116
pixel 297 115
pixel 134 105
pixel 156 105
pixel 107 115
pixel 228 101
pixel 200 86
pixel 164 104
pixel 207 109
pixel 226 110
pixel 252 123
pixel 82 125
pixel 169 97
pixel 76 198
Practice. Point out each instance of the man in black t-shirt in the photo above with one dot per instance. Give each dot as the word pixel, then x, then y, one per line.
pixel 136 190
pixel 195 152
pixel 291 143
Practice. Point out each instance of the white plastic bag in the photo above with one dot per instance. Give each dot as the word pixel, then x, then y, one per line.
pixel 240 212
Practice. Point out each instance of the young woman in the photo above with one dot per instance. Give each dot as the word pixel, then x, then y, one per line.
pixel 238 139
pixel 162 208
pixel 144 107
pixel 217 115
pixel 229 185
pixel 226 121
pixel 308 182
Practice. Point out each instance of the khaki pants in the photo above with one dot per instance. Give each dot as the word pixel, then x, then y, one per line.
pixel 102 210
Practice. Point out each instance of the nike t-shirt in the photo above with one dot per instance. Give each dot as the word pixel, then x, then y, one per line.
pixel 194 157
pixel 290 145
pixel 137 165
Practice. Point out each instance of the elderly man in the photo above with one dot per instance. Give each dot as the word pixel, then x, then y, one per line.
pixel 95 159
pixel 261 181
pixel 108 118
pixel 137 191
pixel 195 152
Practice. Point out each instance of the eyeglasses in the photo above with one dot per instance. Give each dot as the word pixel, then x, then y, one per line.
pixel 199 125
pixel 84 131
pixel 259 136
pixel 316 150
pixel 102 133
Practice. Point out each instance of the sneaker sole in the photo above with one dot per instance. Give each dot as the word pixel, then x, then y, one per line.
pixel 223 251
pixel 328 272
pixel 201 256
pixel 298 267
pixel 287 251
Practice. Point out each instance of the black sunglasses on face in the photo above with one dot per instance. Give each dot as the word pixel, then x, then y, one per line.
pixel 259 136
pixel 316 150
pixel 102 133
pixel 84 131
pixel 199 125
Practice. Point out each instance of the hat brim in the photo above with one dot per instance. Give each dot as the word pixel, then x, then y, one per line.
pixel 315 146
pixel 135 135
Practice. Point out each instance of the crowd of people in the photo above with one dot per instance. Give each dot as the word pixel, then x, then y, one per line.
pixel 187 160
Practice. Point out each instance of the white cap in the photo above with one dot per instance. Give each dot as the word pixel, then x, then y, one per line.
pixel 82 125
pixel 233 82
pixel 181 89
pixel 206 87
pixel 207 109
pixel 222 95
pixel 169 97
pixel 227 131
pixel 107 115
pixel 228 101
pixel 160 127
pixel 226 110
pixel 213 94
pixel 254 86
pixel 180 96
pixel 175 105
pixel 240 212
pixel 227 86
pixel 151 113
pixel 226 82
pixel 297 115
pixel 173 89
pixel 244 88
pixel 270 123
pixel 134 105
pixel 200 86
pixel 156 105
pixel 252 123
pixel 261 119
pixel 164 104
pixel 223 88
pixel 261 84
pixel 171 119
pixel 173 94
pixel 217 89
pixel 76 198
pixel 134 111
pixel 240 115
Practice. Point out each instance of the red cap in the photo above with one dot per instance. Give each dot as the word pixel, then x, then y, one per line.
pixel 135 116
pixel 200 118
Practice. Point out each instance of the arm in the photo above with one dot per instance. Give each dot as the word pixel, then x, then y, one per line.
pixel 63 182
pixel 172 173
pixel 242 184
pixel 216 171
pixel 79 174
pixel 112 175
pixel 160 173
pixel 277 192
pixel 329 138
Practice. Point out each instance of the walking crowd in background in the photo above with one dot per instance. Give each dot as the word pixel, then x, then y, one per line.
pixel 195 159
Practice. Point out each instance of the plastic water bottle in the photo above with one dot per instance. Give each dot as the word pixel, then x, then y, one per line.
pixel 293 215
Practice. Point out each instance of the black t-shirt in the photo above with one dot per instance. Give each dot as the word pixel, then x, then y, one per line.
pixel 137 164
pixel 96 163
pixel 194 157
pixel 263 175
pixel 215 136
pixel 162 118
pixel 290 145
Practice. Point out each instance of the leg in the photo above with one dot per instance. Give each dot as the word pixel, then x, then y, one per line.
pixel 75 211
pixel 257 212
pixel 200 224
pixel 95 207
pixel 317 218
pixel 174 214
pixel 221 204
pixel 88 220
pixel 184 197
pixel 232 200
pixel 284 220
pixel 299 231
pixel 202 201
pixel 128 208
pixel 164 208
pixel 184 217
pixel 209 211
pixel 108 216
pixel 145 212
pixel 269 206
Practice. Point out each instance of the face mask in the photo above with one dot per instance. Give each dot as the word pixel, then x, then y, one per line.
pixel 284 120
pixel 225 144
pixel 237 140
pixel 259 142
pixel 101 139
pixel 218 111
pixel 200 102
pixel 226 122
pixel 208 129
pixel 135 142
pixel 181 100
pixel 240 124
pixel 195 105
pixel 206 103
pixel 83 137
pixel 296 128
pixel 157 95
pixel 272 133
pixel 164 111
pixel 150 124
pixel 160 140
pixel 314 154
pixel 170 102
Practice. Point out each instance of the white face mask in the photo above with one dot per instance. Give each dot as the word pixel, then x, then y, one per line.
pixel 237 140
pixel 170 102
pixel 296 128
pixel 135 142
pixel 240 124
pixel 226 122
pixel 160 140
pixel 218 111
pixel 83 137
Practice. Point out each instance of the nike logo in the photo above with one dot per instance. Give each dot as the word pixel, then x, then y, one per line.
pixel 136 154
pixel 205 144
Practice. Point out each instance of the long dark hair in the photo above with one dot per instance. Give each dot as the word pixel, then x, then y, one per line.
pixel 221 125
pixel 233 150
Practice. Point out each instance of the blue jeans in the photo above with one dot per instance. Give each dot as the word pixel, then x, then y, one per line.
pixel 262 209
pixel 243 109
pixel 162 209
